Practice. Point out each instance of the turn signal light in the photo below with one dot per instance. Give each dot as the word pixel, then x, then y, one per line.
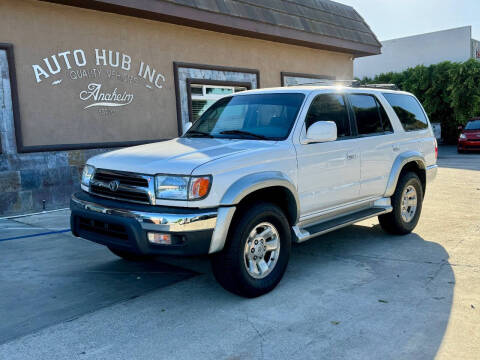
pixel 199 187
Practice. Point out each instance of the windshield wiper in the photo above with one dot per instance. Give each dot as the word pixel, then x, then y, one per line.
pixel 243 132
pixel 196 133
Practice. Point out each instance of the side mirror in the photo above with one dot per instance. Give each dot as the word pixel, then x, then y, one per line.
pixel 187 127
pixel 322 131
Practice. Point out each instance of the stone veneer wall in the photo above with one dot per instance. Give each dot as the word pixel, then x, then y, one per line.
pixel 26 180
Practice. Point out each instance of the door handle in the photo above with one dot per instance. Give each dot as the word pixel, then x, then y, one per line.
pixel 351 156
pixel 396 148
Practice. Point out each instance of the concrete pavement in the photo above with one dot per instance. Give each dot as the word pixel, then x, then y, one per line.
pixel 355 293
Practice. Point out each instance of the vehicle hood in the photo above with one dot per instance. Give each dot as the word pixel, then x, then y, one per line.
pixel 178 156
pixel 472 134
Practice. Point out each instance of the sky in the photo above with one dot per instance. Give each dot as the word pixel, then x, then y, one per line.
pixel 390 19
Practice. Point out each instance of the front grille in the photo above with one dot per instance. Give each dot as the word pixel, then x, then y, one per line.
pixel 123 178
pixel 131 187
pixel 103 228
pixel 120 194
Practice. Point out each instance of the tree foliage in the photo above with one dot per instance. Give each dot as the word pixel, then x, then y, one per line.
pixel 449 92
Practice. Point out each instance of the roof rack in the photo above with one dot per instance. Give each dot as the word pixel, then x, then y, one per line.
pixel 349 83
pixel 379 86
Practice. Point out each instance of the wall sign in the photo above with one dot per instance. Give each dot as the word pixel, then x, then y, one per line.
pixel 109 78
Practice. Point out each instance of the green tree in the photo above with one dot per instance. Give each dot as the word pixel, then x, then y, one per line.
pixel 449 92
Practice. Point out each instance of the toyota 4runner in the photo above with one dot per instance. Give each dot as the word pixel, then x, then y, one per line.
pixel 257 171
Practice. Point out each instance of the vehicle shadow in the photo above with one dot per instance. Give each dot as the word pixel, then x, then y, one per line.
pixel 353 293
pixel 392 294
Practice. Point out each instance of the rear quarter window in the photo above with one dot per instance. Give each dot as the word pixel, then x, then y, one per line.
pixel 408 110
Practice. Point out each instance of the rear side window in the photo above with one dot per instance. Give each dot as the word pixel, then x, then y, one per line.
pixel 370 116
pixel 408 111
pixel 329 107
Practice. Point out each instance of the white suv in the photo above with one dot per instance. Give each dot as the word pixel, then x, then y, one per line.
pixel 259 170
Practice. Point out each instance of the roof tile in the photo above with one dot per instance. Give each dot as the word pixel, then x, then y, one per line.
pixel 322 17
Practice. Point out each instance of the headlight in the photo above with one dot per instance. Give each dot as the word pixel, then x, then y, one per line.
pixel 463 136
pixel 87 174
pixel 171 187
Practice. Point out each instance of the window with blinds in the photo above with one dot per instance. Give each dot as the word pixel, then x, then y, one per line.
pixel 203 96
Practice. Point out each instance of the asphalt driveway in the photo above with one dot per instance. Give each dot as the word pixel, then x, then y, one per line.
pixel 355 293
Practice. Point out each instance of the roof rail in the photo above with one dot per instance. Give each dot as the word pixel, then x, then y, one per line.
pixel 379 86
pixel 349 83
pixel 327 82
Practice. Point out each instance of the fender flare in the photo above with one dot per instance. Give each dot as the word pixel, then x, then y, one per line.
pixel 237 192
pixel 257 181
pixel 401 160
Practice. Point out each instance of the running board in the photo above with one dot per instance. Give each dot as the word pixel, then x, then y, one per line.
pixel 304 234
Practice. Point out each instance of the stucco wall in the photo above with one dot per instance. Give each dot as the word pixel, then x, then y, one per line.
pixel 53 113
pixel 425 49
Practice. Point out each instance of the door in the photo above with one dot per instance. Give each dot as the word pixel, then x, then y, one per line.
pixel 376 144
pixel 328 173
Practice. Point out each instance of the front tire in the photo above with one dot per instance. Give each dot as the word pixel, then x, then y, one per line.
pixel 256 255
pixel 407 206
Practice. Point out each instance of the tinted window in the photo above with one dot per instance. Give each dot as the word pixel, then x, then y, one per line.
pixel 408 111
pixel 329 107
pixel 370 116
pixel 249 116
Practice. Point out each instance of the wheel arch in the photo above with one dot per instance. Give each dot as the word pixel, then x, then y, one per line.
pixel 407 161
pixel 265 186
pixel 270 186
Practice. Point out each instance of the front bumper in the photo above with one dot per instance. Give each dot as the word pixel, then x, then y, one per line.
pixel 124 225
pixel 469 145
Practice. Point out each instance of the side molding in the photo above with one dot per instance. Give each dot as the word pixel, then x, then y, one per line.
pixel 401 160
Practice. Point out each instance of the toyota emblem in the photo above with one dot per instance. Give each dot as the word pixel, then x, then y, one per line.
pixel 113 185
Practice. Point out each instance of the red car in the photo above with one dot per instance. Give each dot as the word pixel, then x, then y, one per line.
pixel 470 137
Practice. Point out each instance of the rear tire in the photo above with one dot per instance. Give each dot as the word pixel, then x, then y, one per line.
pixel 258 233
pixel 407 206
pixel 130 256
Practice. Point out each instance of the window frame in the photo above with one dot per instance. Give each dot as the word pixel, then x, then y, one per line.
pixel 347 108
pixel 354 117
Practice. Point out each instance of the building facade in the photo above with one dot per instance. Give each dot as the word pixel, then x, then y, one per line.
pixel 454 45
pixel 82 77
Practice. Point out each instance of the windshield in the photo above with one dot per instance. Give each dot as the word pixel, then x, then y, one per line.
pixel 473 125
pixel 256 116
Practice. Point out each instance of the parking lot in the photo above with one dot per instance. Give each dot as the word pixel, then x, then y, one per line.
pixel 354 293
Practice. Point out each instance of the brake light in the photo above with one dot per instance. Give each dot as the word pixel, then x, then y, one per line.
pixel 436 150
